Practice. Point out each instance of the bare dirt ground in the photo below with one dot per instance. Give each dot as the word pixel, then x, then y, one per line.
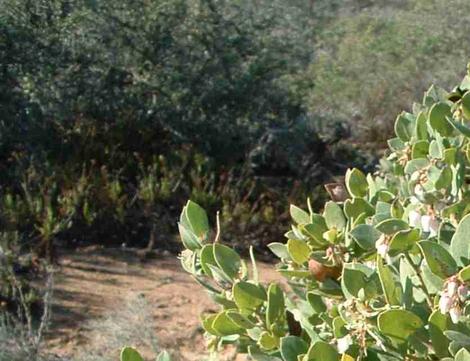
pixel 93 281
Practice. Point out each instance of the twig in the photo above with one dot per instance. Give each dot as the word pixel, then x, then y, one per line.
pixel 420 276
pixel 217 236
pixel 47 309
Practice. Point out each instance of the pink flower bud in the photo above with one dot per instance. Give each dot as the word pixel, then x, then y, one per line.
pixel 445 303
pixel 344 343
pixel 419 190
pixel 462 292
pixel 415 219
pixel 426 223
pixel 433 227
pixel 452 287
pixel 455 313
pixel 382 246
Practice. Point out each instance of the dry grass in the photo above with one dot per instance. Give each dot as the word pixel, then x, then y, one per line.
pixel 131 324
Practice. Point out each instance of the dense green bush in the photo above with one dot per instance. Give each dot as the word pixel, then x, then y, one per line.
pixel 112 114
pixel 205 72
pixel 381 274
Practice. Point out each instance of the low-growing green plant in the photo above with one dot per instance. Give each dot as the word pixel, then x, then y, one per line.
pixel 131 354
pixel 380 274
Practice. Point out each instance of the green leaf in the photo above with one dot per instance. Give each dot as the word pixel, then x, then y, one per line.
pixel 403 241
pixel 228 260
pixel 163 356
pixel 276 305
pixel 457 336
pixel 268 341
pixel 462 355
pixel 466 105
pixel 316 302
pixel 322 351
pixel 365 235
pixel 438 119
pixel 465 83
pixel 420 149
pixel 391 288
pixel 339 329
pixel 353 208
pixel 248 295
pixel 224 326
pixel 195 217
pixel 188 261
pixel 219 275
pixel 421 127
pixel 434 94
pixel 316 229
pixel 416 165
pixel 280 250
pixel 356 183
pixel 396 144
pixel 436 150
pixel 450 156
pixel 433 283
pixel 399 324
pixel 296 273
pixel 292 347
pixel 392 225
pixel 397 209
pixel 382 211
pixel 240 320
pixel 464 274
pixel 299 251
pixel 460 245
pixel 257 355
pixel 334 216
pixel 299 215
pixel 189 239
pixel 440 262
pixel 404 127
pixel 445 179
pixel 207 323
pixel 438 323
pixel 358 281
pixel 130 354
pixel 461 128
pixel 207 258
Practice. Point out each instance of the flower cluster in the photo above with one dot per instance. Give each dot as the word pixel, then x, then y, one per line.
pixel 428 222
pixel 382 245
pixel 453 297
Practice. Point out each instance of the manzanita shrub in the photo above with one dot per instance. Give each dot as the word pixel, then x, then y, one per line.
pixel 381 273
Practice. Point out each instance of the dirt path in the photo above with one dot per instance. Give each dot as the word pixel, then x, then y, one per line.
pixel 92 282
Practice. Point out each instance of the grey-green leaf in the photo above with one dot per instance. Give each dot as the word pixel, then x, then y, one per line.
pixel 356 183
pixel 334 216
pixel 248 295
pixel 440 262
pixel 460 245
pixel 299 215
pixel 365 235
pixel 227 259
pixel 292 347
pixel 322 351
pixel 399 324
